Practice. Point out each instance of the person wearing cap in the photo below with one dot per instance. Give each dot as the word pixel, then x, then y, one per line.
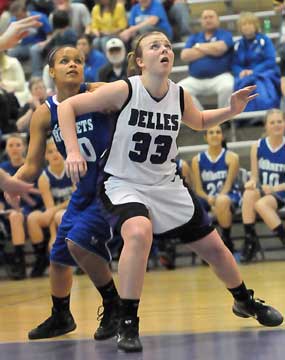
pixel 94 59
pixel 116 69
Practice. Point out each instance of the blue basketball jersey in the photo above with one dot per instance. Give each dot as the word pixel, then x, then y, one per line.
pixel 214 173
pixel 94 134
pixel 271 164
pixel 9 168
pixel 60 186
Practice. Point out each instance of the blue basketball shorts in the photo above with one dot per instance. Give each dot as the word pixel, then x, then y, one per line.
pixel 87 228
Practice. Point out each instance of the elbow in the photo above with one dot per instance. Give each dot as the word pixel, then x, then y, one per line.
pixel 183 56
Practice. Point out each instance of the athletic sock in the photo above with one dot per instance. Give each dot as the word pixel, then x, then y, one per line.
pixel 61 304
pixel 108 291
pixel 249 229
pixel 280 231
pixel 129 308
pixel 240 293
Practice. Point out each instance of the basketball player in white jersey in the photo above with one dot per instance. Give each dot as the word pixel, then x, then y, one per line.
pixel 142 188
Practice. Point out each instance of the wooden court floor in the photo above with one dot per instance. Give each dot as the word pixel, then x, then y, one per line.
pixel 178 309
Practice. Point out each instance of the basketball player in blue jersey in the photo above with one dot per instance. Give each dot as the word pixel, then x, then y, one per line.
pixel 82 221
pixel 265 191
pixel 215 171
pixel 142 188
pixel 56 189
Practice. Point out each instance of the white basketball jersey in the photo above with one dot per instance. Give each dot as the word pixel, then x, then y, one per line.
pixel 144 145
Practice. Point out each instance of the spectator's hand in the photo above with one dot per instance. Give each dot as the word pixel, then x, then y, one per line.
pixel 267 189
pixel 245 72
pixel 17 30
pixel 240 98
pixel 75 166
pixel 250 185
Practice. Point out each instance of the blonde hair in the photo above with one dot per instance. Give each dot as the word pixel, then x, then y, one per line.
pixel 248 17
pixel 133 68
pixel 273 111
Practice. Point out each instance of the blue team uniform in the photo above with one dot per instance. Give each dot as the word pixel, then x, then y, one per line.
pixel 271 166
pixel 83 222
pixel 60 186
pixel 213 176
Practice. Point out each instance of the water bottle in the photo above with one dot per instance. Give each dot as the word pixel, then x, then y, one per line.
pixel 267 25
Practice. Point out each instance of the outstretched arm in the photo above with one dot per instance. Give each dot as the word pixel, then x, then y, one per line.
pixel 17 30
pixel 202 120
pixel 109 97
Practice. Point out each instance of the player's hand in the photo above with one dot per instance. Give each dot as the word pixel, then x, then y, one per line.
pixel 16 189
pixel 17 30
pixel 240 98
pixel 250 185
pixel 75 166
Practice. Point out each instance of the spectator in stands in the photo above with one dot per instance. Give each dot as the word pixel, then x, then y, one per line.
pixel 265 191
pixel 12 78
pixel 39 95
pixel 215 172
pixel 116 69
pixel 63 34
pixel 77 13
pixel 94 59
pixel 108 19
pixel 254 63
pixel 56 189
pixel 209 54
pixel 178 13
pixel 15 149
pixel 147 15
pixel 31 46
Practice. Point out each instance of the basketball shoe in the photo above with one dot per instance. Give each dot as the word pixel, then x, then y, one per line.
pixel 109 320
pixel 128 335
pixel 59 323
pixel 266 315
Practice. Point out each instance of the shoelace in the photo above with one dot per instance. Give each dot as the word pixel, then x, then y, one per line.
pixel 100 313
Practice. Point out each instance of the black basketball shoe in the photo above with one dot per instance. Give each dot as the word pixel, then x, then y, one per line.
pixel 109 320
pixel 266 315
pixel 57 324
pixel 250 249
pixel 128 335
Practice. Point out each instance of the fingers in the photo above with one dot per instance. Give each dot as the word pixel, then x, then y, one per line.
pixel 251 97
pixel 76 170
pixel 28 199
pixel 30 21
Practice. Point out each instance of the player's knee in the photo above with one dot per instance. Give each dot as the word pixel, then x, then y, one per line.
pixel 222 202
pixel 138 236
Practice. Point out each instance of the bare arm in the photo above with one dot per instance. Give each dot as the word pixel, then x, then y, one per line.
pixel 192 54
pixel 197 179
pixel 253 163
pixel 232 160
pixel 202 120
pixel 17 30
pixel 35 160
pixel 215 48
pixel 109 97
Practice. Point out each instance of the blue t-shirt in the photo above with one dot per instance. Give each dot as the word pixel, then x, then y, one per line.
pixel 138 15
pixel 271 164
pixel 93 63
pixel 211 66
pixel 94 135
pixel 60 186
pixel 39 34
pixel 214 173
